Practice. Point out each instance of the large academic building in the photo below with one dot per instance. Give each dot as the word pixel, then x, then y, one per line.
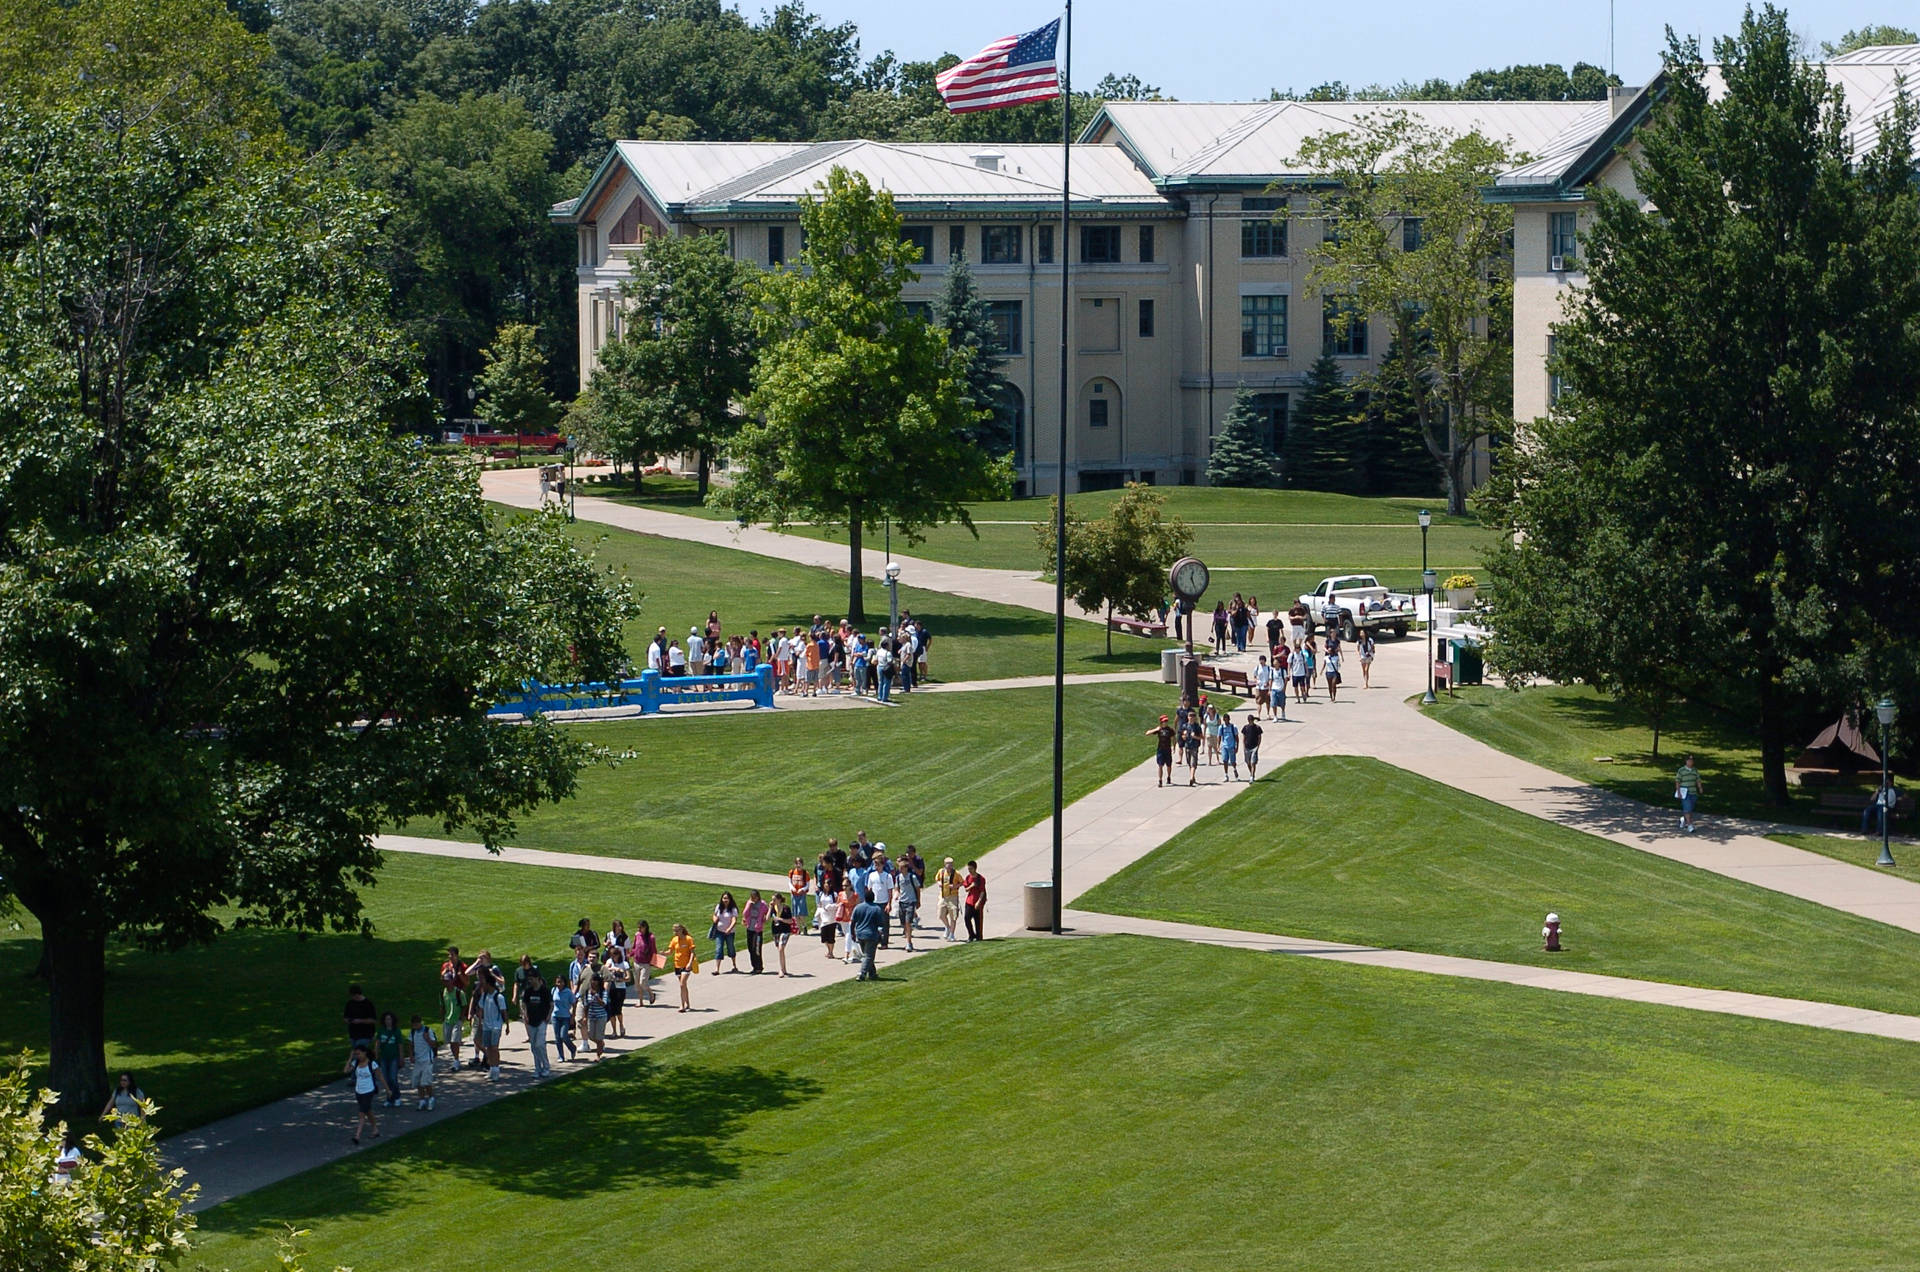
pixel 1185 287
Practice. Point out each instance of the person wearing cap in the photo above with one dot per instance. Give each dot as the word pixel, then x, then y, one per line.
pixel 696 652
pixel 947 879
pixel 1162 734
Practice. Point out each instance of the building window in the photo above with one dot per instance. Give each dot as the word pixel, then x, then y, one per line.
pixel 956 241
pixel 1561 240
pixel 921 309
pixel 1099 245
pixel 921 236
pixel 1043 245
pixel 1146 318
pixel 776 245
pixel 1000 244
pixel 1330 231
pixel 1097 413
pixel 1345 329
pixel 1411 230
pixel 1556 383
pixel 1260 233
pixel 1146 245
pixel 1005 317
pixel 1263 326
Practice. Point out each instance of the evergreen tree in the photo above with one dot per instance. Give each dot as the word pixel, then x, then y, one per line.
pixel 513 388
pixel 1319 452
pixel 1392 455
pixel 964 317
pixel 1239 457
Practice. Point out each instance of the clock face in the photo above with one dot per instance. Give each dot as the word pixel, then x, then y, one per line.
pixel 1189 577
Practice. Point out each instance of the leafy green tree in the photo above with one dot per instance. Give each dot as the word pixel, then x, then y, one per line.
pixel 1392 456
pixel 1443 286
pixel 242 629
pixel 1240 457
pixel 1120 562
pixel 1318 452
pixel 962 314
pixel 468 246
pixel 513 387
pixel 1731 476
pixel 119 1211
pixel 856 415
pixel 1867 37
pixel 685 354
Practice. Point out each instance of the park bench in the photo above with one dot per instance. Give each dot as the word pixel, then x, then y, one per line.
pixel 1851 803
pixel 1136 627
pixel 1227 680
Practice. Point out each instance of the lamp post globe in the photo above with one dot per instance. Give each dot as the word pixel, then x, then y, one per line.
pixel 1426 585
pixel 1883 711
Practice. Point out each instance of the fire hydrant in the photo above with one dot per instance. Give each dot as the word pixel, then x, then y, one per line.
pixel 1551 932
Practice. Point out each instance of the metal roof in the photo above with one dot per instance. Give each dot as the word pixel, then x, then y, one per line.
pixel 1185 143
pixel 1869 80
pixel 692 176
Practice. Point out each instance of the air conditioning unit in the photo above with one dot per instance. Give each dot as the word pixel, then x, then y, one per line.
pixel 1557 265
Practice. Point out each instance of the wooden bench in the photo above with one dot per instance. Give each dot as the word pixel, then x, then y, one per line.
pixel 1136 627
pixel 1851 803
pixel 1227 680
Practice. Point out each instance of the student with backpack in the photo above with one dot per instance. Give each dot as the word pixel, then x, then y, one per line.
pixel 367 1080
pixel 425 1048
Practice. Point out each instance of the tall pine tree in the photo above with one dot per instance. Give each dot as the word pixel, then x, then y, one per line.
pixel 1319 452
pixel 968 323
pixel 1239 457
pixel 1392 455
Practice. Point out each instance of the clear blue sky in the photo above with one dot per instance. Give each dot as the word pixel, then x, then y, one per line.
pixel 1234 50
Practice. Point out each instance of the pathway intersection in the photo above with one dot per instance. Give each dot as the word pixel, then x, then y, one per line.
pixel 1105 831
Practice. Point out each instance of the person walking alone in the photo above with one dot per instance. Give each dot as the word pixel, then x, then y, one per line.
pixel 536 1013
pixel 974 885
pixel 869 918
pixel 367 1079
pixel 1162 735
pixel 1687 788
pixel 1250 734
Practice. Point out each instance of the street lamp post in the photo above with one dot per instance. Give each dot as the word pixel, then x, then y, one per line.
pixel 893 598
pixel 1883 711
pixel 573 476
pixel 1426 585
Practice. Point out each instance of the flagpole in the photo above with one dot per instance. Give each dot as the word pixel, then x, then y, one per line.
pixel 1060 501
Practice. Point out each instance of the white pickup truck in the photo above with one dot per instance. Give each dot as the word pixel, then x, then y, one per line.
pixel 1352 603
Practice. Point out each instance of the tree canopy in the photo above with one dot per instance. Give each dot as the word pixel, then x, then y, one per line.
pixel 1419 248
pixel 684 357
pixel 1240 456
pixel 857 412
pixel 1120 562
pixel 241 629
pixel 962 315
pixel 1720 507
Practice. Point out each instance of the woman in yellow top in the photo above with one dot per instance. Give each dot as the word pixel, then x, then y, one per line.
pixel 686 961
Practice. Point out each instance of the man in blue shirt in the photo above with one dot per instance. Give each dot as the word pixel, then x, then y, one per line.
pixel 868 919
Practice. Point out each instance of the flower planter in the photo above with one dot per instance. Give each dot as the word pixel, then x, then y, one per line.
pixel 1460 598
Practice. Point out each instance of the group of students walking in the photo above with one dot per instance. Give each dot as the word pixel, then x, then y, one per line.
pixel 1198 726
pixel 827 657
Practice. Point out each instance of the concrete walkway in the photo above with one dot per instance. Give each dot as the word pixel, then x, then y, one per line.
pixel 520 488
pixel 1793 1011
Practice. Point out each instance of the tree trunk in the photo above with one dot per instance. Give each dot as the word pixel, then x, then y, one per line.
pixel 856 604
pixel 1773 740
pixel 76 998
pixel 1109 629
pixel 703 471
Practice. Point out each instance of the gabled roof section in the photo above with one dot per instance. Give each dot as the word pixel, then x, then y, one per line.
pixel 1869 79
pixel 1216 143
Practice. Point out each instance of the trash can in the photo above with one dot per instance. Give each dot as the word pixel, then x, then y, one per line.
pixel 1040 906
pixel 1170 664
pixel 1467 666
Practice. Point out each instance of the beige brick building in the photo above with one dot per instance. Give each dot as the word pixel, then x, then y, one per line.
pixel 1189 277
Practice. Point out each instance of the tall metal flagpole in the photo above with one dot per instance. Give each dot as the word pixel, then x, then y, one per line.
pixel 1060 501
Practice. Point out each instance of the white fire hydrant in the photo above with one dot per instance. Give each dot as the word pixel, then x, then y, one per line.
pixel 1551 932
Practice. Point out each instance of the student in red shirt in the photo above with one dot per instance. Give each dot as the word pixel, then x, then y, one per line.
pixel 975 888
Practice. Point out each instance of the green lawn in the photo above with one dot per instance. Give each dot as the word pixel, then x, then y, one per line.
pixel 1858 850
pixel 1350 849
pixel 957 774
pixel 212 1030
pixel 1255 531
pixel 1028 1105
pixel 972 640
pixel 1566 729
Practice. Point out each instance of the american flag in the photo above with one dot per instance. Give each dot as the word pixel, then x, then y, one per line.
pixel 1009 72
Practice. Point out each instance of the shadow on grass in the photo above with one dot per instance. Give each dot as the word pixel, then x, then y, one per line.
pixel 678 1126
